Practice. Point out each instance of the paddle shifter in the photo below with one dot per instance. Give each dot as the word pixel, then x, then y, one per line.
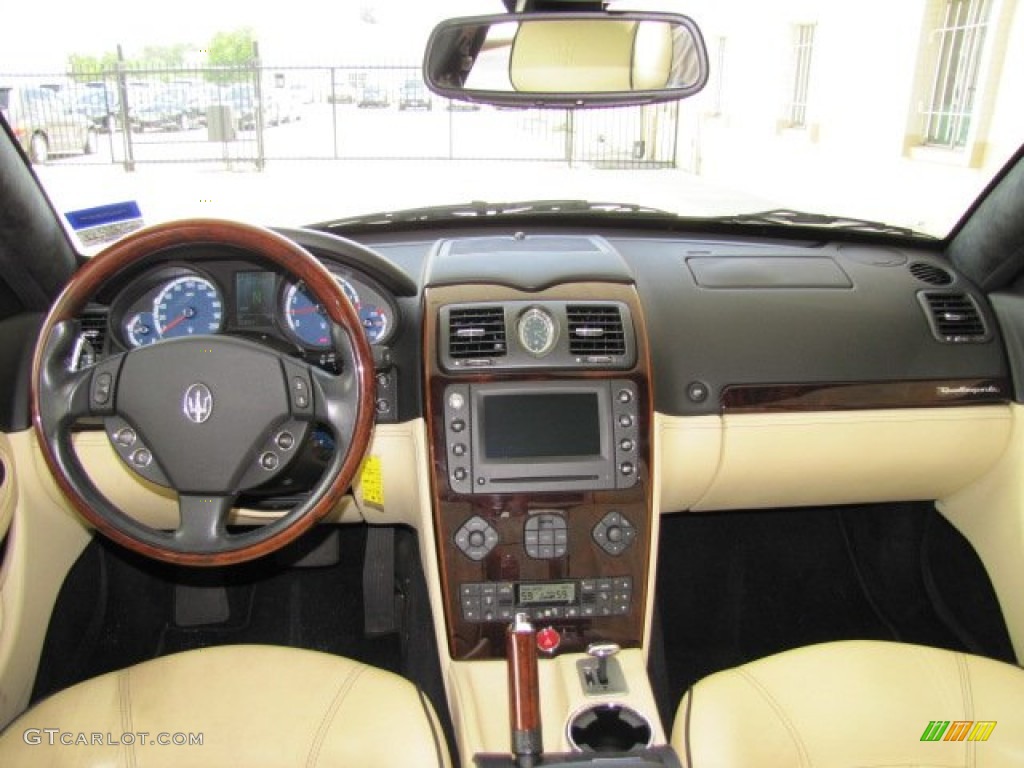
pixel 524 691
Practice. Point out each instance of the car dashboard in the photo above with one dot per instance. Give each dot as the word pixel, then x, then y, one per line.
pixel 545 394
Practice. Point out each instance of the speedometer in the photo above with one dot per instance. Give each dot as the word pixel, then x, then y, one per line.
pixel 188 306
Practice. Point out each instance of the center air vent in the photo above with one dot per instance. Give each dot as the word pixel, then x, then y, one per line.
pixel 929 273
pixel 954 318
pixel 595 330
pixel 476 332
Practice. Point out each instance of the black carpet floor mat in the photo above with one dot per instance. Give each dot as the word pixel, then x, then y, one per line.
pixel 117 609
pixel 737 586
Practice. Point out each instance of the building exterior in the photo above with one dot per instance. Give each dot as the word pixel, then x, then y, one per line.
pixel 860 106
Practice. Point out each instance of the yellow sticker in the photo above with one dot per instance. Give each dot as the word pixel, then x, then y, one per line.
pixel 372 482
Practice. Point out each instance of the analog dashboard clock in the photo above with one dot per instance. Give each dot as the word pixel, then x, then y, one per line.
pixel 537 331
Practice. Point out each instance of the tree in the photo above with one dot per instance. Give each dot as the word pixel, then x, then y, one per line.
pixel 230 50
pixel 84 67
pixel 164 56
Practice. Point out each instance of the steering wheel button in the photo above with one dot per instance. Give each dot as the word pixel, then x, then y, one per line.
pixel 285 441
pixel 269 461
pixel 125 437
pixel 142 458
pixel 300 392
pixel 101 388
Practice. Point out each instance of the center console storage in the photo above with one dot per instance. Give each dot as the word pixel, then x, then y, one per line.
pixel 609 727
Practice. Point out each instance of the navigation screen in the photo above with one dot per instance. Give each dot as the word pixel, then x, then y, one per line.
pixel 541 426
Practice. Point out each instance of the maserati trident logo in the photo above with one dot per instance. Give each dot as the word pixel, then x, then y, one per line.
pixel 198 404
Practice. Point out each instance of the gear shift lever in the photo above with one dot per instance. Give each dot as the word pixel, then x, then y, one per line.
pixel 523 691
pixel 602 652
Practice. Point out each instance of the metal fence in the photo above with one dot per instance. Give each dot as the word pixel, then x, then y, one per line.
pixel 256 113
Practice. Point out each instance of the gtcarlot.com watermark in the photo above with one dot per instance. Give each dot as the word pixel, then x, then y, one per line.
pixel 55 736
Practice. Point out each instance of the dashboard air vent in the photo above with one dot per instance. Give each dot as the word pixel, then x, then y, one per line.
pixel 929 273
pixel 595 330
pixel 92 340
pixel 954 318
pixel 476 332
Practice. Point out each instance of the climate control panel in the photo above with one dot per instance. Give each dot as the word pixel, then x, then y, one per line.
pixel 490 601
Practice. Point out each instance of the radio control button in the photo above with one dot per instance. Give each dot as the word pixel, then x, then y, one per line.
pixel 459 449
pixel 475 539
pixel 546 536
pixel 614 534
pixel 626 444
pixel 625 396
pixel 626 468
pixel 625 420
pixel 458 425
pixel 460 474
pixel 456 401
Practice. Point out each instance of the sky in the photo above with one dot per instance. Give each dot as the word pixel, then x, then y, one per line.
pixel 293 32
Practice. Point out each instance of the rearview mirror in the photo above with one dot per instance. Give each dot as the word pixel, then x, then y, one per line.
pixel 567 59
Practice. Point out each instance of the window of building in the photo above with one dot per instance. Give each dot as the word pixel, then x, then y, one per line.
pixel 959 43
pixel 718 72
pixel 803 48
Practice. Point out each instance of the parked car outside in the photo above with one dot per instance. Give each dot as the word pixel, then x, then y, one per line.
pixel 414 95
pixel 373 96
pixel 97 105
pixel 342 93
pixel 44 125
pixel 245 103
pixel 164 113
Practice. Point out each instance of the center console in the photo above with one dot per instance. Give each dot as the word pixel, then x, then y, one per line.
pixel 540 448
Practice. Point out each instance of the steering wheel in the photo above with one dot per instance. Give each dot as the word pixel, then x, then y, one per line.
pixel 207 416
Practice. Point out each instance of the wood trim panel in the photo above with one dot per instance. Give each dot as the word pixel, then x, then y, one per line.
pixel 789 398
pixel 507 513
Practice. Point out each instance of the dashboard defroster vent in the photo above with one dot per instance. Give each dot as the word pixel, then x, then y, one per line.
pixel 595 330
pixel 476 332
pixel 954 318
pixel 929 273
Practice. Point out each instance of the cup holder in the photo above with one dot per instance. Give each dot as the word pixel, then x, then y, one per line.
pixel 609 728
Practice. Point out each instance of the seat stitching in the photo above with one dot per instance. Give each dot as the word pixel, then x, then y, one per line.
pixel 125 703
pixel 689 710
pixel 968 703
pixel 332 709
pixel 430 723
pixel 780 713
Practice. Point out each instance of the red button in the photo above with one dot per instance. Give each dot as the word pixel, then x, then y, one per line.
pixel 548 639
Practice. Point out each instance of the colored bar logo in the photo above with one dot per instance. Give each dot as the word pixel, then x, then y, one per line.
pixel 958 730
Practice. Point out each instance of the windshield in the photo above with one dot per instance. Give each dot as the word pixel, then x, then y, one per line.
pixel 305 112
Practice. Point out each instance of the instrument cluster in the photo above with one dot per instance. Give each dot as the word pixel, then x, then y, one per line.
pixel 230 297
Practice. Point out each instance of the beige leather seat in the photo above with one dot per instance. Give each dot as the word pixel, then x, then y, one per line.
pixel 252 706
pixel 856 703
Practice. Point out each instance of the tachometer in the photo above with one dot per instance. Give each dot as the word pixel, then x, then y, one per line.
pixel 188 306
